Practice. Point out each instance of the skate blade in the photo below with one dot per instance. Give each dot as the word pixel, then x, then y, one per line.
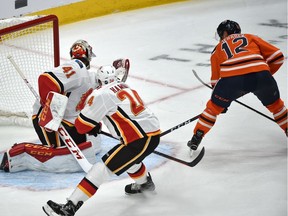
pixel 194 153
pixel 149 193
pixel 143 193
pixel 48 211
pixel 191 153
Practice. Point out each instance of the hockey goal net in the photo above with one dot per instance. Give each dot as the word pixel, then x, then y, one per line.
pixel 33 42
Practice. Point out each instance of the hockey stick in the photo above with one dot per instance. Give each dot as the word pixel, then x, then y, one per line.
pixel 190 164
pixel 260 113
pixel 67 139
pixel 179 125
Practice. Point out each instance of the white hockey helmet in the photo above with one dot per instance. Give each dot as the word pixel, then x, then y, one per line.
pixel 106 74
pixel 80 49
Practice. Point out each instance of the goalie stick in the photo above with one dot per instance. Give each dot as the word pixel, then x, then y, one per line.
pixel 191 163
pixel 260 113
pixel 67 139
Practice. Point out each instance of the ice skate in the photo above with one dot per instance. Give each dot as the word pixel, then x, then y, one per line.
pixel 69 209
pixel 135 188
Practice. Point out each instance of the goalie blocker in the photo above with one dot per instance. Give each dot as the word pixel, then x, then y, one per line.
pixel 53 111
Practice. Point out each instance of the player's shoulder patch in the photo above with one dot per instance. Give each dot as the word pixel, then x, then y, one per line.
pixel 80 63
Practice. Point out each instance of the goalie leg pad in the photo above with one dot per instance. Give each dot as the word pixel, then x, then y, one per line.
pixel 29 156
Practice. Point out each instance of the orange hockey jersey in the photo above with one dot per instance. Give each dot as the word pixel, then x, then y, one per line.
pixel 240 54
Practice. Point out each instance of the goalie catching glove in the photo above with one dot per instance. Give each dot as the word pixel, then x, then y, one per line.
pixel 122 67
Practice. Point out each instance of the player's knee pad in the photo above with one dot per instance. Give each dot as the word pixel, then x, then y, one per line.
pixel 98 174
pixel 213 109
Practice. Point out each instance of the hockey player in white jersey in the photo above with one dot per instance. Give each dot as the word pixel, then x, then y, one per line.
pixel 123 112
pixel 73 80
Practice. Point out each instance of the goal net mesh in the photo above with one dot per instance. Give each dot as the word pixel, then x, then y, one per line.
pixel 33 42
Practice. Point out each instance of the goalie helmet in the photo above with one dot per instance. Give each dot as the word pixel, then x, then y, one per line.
pixel 80 49
pixel 231 27
pixel 106 74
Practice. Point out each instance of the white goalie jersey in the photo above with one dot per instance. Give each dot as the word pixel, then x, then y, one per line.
pixel 71 79
pixel 121 109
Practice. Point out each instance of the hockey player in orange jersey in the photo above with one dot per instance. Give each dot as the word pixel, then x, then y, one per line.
pixel 240 64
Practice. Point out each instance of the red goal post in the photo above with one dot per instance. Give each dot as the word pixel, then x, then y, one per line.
pixel 33 42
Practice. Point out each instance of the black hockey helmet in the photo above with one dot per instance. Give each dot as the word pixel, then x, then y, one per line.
pixel 231 27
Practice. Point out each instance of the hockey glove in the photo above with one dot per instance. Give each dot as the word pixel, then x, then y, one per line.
pixel 96 130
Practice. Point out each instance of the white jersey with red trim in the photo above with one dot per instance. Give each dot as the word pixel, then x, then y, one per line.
pixel 122 111
pixel 71 79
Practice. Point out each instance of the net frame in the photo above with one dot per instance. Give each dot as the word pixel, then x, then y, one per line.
pixel 14 33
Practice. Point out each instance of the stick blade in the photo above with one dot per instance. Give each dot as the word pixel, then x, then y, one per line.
pixel 197 158
pixel 192 163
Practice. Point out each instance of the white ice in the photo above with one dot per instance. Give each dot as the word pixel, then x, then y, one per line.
pixel 244 170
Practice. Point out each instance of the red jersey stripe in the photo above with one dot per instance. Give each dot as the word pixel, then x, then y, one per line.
pixel 127 128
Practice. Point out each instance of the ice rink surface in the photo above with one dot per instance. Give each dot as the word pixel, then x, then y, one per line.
pixel 244 170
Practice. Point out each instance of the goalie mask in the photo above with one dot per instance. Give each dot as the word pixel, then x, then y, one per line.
pixel 83 51
pixel 106 74
pixel 229 26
